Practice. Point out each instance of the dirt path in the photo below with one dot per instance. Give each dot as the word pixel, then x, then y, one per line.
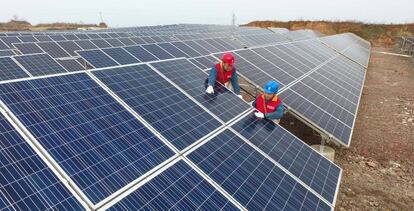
pixel 378 168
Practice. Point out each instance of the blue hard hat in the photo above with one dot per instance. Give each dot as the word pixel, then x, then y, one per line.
pixel 271 87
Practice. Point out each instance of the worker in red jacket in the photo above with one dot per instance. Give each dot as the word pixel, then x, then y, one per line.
pixel 225 73
pixel 268 104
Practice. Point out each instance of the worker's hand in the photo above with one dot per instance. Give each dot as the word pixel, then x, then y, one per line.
pixel 240 96
pixel 210 90
pixel 259 115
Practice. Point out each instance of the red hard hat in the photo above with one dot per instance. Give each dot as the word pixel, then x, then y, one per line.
pixel 228 58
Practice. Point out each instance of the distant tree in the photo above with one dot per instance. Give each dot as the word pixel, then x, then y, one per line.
pixel 103 25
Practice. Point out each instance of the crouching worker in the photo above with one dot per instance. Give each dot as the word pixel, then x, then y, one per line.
pixel 225 73
pixel 268 104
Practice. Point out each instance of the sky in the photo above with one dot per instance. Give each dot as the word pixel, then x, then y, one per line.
pixel 121 13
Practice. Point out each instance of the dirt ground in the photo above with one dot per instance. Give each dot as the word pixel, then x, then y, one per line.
pixel 378 170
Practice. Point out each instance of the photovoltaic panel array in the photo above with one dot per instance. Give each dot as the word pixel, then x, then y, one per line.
pixel 252 179
pixel 27 183
pixel 330 97
pixel 166 108
pixel 10 70
pixel 310 167
pixel 99 144
pixel 39 64
pixel 178 188
pixel 193 81
pixel 97 58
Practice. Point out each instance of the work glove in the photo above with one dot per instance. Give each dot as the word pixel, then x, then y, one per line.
pixel 240 96
pixel 259 115
pixel 210 90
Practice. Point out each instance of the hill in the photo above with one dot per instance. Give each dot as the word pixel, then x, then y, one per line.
pixel 18 25
pixel 384 35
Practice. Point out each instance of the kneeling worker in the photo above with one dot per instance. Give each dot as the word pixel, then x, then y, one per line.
pixel 225 73
pixel 269 104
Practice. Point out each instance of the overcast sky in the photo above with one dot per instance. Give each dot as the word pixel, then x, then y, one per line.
pixel 155 12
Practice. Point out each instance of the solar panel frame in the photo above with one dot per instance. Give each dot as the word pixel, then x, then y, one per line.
pixel 175 116
pixel 28 180
pixel 57 37
pixel 120 55
pixel 186 49
pixel 97 58
pixel 157 51
pixel 53 49
pixel 177 53
pixel 71 65
pixel 101 43
pixel 39 64
pixel 25 39
pixel 140 53
pixel 86 44
pixel 3 46
pixel 43 38
pixel 28 48
pixel 6 53
pixel 69 46
pixel 10 70
pixel 114 42
pixel 53 90
pixel 241 170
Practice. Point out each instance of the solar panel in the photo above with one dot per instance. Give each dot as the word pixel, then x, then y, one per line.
pixel 101 43
pixel 218 45
pixel 138 40
pixel 329 97
pixel 97 58
pixel 291 153
pixel 157 51
pixel 43 38
pixel 53 49
pixel 27 183
pixel 223 103
pixel 210 48
pixel 10 70
pixel 120 55
pixel 104 35
pixel 71 65
pixel 28 39
pixel 196 47
pixel 168 110
pixel 98 143
pixel 248 176
pixel 140 53
pixel 148 40
pixel 28 48
pixel 7 53
pixel 82 36
pixel 94 36
pixel 204 62
pixel 126 41
pixel 86 44
pixel 177 188
pixel 57 37
pixel 114 42
pixel 39 64
pixel 70 47
pixel 10 40
pixel 186 49
pixel 171 49
pixel 3 46
pixel 70 37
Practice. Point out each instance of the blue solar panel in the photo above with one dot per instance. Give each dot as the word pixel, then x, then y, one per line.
pixel 57 37
pixel 27 183
pixel 70 47
pixel 177 53
pixel 297 157
pixel 86 44
pixel 126 41
pixel 329 97
pixel 138 40
pixel 186 49
pixel 197 47
pixel 210 48
pixel 71 65
pixel 10 40
pixel 97 142
pixel 39 64
pixel 204 62
pixel 223 103
pixel 114 42
pixel 53 49
pixel 169 111
pixel 43 38
pixel 157 51
pixel 97 58
pixel 140 53
pixel 120 55
pixel 177 188
pixel 3 46
pixel 101 43
pixel 70 37
pixel 10 70
pixel 28 48
pixel 252 179
pixel 7 53
pixel 28 39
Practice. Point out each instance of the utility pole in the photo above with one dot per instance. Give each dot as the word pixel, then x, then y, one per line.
pixel 233 19
pixel 100 14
